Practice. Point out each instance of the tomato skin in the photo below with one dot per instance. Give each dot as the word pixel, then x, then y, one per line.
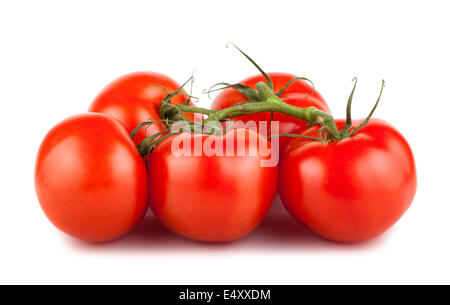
pixel 90 179
pixel 134 98
pixel 210 199
pixel 298 94
pixel 352 190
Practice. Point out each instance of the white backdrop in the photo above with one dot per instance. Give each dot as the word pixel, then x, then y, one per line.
pixel 55 56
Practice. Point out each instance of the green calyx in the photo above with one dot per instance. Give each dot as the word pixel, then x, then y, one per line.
pixel 345 132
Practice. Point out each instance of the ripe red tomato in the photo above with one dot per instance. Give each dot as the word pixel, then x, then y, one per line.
pixel 352 190
pixel 298 94
pixel 134 98
pixel 90 179
pixel 212 198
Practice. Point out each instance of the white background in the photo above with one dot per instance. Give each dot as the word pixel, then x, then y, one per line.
pixel 55 56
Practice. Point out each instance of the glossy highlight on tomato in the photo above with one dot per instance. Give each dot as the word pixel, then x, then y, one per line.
pixel 351 190
pixel 299 94
pixel 135 98
pixel 90 179
pixel 211 198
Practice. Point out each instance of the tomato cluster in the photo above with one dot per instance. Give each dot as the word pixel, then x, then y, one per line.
pixel 94 185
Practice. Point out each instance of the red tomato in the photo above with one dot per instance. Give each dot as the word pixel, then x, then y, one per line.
pixel 134 98
pixel 211 198
pixel 298 94
pixel 352 190
pixel 90 179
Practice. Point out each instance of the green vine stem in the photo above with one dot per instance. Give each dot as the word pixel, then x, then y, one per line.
pixel 270 103
pixel 263 99
pixel 267 102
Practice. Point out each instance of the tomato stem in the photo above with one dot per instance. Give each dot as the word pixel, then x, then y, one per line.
pixel 263 99
pixel 267 101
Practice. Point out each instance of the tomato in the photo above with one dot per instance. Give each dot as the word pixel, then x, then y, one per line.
pixel 298 94
pixel 212 198
pixel 90 179
pixel 135 98
pixel 352 190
